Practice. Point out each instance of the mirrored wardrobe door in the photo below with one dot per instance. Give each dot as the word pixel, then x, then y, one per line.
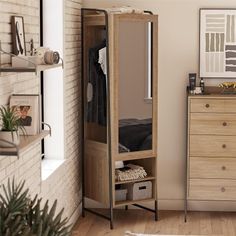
pixel 134 84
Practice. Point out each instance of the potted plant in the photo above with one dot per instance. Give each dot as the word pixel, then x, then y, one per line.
pixel 11 126
pixel 22 215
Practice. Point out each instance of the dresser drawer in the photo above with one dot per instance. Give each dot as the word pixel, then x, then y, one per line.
pixel 213 123
pixel 213 105
pixel 212 189
pixel 216 168
pixel 212 146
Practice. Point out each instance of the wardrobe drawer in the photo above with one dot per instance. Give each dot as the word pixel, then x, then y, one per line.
pixel 212 189
pixel 213 105
pixel 212 146
pixel 224 168
pixel 213 123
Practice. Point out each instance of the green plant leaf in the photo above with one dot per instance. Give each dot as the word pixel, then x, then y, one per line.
pixel 19 215
pixel 11 120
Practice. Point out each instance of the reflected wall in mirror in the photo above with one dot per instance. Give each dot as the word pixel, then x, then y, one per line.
pixel 135 92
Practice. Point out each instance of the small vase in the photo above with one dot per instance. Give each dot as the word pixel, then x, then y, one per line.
pixel 11 137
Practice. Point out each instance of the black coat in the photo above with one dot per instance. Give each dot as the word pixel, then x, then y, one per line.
pixel 97 107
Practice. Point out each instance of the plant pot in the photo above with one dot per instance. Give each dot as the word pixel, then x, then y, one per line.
pixel 10 137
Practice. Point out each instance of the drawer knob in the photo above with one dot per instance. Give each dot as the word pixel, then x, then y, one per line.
pixel 223 189
pixel 223 168
pixel 224 124
pixel 207 105
pixel 224 146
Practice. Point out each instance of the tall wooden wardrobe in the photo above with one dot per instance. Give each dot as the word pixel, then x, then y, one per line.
pixel 119 106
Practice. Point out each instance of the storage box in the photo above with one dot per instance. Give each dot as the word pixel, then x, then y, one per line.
pixel 139 191
pixel 121 194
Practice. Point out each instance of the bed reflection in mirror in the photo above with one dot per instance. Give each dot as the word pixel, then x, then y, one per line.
pixel 135 92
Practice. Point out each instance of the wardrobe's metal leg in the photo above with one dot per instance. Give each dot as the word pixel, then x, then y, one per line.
pixel 156 210
pixel 185 210
pixel 111 218
pixel 126 207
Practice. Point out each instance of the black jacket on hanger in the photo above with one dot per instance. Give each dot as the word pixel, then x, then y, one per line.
pixel 97 107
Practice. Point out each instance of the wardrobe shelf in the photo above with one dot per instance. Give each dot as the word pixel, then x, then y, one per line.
pixel 130 202
pixel 29 69
pixel 136 180
pixel 95 20
pixel 140 155
pixel 25 143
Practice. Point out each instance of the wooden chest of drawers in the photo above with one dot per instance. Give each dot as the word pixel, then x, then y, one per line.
pixel 211 152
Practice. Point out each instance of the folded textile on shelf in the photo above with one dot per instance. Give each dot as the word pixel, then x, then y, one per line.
pixel 133 172
pixel 125 9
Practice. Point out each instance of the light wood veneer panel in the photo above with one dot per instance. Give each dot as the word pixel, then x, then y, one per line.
pixel 213 105
pixel 212 146
pixel 213 123
pixel 96 171
pixel 212 189
pixel 213 168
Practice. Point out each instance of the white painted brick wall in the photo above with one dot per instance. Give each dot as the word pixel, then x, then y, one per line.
pixel 65 183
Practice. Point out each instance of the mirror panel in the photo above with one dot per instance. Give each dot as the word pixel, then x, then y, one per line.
pixel 135 92
pixel 95 84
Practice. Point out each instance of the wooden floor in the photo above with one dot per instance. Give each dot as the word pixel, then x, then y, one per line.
pixel 170 222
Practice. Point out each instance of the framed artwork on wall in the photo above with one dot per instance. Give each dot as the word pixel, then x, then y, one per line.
pixel 27 107
pixel 18 35
pixel 218 43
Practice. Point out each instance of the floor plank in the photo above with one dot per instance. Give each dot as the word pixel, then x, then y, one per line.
pixel 170 223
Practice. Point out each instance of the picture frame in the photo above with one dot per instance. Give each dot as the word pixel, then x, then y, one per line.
pixel 217 39
pixel 18 35
pixel 27 107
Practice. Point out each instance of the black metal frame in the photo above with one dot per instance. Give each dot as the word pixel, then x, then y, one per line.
pixel 110 218
pixel 42 76
pixel 186 164
pixel 111 208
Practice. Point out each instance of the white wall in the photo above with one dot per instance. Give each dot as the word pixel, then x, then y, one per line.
pixel 178 56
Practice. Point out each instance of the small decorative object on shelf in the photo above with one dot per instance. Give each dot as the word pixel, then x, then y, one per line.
pixel 27 108
pixel 47 56
pixel 138 191
pixel 202 85
pixel 121 195
pixel 197 90
pixel 11 126
pixel 130 172
pixel 192 82
pixel 39 60
pixel 18 35
pixel 228 87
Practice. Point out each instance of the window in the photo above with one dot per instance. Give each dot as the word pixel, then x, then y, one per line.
pixel 148 86
pixel 53 88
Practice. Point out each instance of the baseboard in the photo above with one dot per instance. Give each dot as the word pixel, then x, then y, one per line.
pixel 75 216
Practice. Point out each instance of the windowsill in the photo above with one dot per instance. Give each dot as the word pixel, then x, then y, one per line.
pixel 48 166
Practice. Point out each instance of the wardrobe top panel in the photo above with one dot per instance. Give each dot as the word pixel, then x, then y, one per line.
pixel 99 19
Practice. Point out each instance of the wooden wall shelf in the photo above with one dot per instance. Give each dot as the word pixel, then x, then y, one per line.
pixel 29 69
pixel 25 143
